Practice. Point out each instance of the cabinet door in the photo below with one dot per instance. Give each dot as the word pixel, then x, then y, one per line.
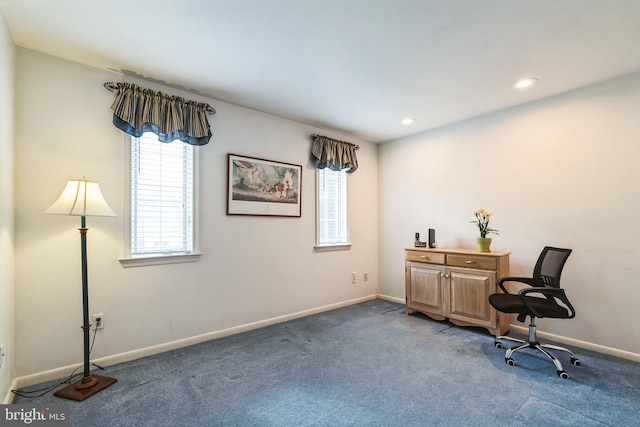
pixel 425 288
pixel 469 292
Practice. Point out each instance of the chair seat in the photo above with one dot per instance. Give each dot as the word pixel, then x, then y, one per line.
pixel 508 303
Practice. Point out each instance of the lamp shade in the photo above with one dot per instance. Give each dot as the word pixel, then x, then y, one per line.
pixel 81 198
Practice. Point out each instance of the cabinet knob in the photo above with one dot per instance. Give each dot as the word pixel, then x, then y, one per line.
pixel 424 257
pixel 469 262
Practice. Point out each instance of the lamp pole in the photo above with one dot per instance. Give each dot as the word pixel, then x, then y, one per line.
pixel 86 381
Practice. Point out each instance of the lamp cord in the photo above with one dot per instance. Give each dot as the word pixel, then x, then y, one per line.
pixel 31 394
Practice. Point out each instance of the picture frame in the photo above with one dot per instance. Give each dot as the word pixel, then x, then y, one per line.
pixel 263 187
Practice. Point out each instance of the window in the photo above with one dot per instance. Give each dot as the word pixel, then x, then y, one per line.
pixel 332 225
pixel 161 223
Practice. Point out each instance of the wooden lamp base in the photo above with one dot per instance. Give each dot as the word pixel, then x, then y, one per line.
pixel 85 388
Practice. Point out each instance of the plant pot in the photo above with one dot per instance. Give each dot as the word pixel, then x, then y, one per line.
pixel 484 244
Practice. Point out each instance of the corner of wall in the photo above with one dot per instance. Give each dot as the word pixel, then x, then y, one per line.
pixel 7 209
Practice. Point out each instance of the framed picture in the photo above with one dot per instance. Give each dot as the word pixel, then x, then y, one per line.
pixel 263 187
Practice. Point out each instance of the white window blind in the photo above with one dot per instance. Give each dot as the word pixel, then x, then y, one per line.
pixel 332 208
pixel 161 197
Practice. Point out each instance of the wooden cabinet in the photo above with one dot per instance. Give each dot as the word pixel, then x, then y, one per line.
pixel 455 284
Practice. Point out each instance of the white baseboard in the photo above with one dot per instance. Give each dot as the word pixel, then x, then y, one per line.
pixel 557 338
pixel 392 299
pixel 64 371
pixel 581 344
pixel 9 397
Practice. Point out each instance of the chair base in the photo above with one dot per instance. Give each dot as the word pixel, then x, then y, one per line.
pixel 533 343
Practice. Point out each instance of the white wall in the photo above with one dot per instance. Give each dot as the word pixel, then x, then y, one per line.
pixel 562 171
pixel 253 268
pixel 7 281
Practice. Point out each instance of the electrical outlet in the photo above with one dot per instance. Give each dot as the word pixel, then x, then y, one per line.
pixel 98 321
pixel 353 277
pixel 366 276
pixel 1 355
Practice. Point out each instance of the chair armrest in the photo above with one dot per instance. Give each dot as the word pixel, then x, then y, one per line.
pixel 526 280
pixel 549 293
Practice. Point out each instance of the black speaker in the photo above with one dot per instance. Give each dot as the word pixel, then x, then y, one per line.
pixel 432 238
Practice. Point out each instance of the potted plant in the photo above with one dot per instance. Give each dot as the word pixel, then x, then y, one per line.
pixel 482 221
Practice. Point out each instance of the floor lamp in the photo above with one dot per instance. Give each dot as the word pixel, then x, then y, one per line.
pixel 83 198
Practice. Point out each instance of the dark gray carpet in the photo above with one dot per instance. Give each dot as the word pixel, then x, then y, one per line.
pixel 363 365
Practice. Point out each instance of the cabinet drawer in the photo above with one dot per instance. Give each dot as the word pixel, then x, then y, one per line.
pixel 469 261
pixel 423 256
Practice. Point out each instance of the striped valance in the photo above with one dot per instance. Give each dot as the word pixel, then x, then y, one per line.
pixel 333 154
pixel 137 110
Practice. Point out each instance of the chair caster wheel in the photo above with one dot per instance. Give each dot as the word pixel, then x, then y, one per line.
pixel 563 375
pixel 510 362
pixel 498 344
pixel 576 361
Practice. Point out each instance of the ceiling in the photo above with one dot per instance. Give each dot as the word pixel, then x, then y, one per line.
pixel 356 66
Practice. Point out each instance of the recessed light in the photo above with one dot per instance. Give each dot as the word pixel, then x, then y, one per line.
pixel 525 83
pixel 408 120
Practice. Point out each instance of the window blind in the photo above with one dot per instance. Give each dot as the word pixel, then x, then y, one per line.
pixel 161 197
pixel 332 207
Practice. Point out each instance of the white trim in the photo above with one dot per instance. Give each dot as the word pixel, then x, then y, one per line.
pixel 158 260
pixel 127 260
pixel 623 354
pixel 126 199
pixel 322 247
pixel 195 239
pixel 392 299
pixel 8 399
pixel 336 247
pixel 318 207
pixel 64 371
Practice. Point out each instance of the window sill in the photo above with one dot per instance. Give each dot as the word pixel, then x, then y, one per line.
pixel 158 260
pixel 336 247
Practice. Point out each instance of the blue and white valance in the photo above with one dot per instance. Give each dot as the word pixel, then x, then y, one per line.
pixel 138 110
pixel 333 154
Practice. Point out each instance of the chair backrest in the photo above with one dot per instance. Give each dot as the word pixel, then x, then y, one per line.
pixel 549 266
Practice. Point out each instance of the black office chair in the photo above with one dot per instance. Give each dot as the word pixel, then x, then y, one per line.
pixel 550 301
